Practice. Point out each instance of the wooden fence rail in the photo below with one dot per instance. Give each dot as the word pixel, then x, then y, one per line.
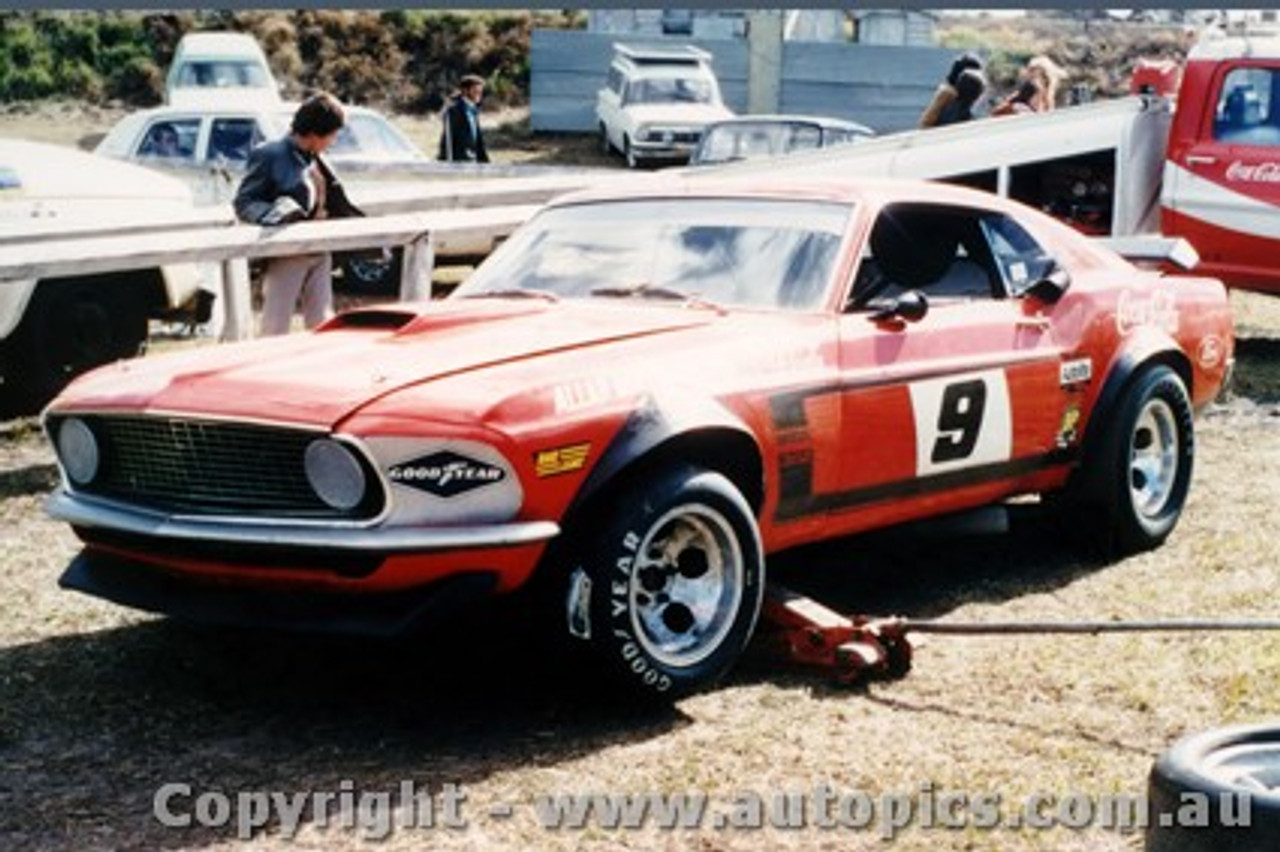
pixel 49 251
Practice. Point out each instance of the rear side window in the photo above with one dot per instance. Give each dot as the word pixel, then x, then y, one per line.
pixel 170 139
pixel 231 139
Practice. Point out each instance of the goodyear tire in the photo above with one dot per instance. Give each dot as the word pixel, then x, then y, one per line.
pixel 1140 472
pixel 1217 791
pixel 667 591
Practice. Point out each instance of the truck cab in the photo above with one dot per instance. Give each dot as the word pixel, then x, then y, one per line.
pixel 1221 188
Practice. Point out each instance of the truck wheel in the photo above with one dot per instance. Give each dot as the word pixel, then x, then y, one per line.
pixel 667 590
pixel 605 147
pixel 1140 472
pixel 70 326
pixel 633 162
pixel 1200 788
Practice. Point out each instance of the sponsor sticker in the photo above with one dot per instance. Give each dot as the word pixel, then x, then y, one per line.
pixel 445 474
pixel 1075 372
pixel 560 460
pixel 1158 309
pixel 1210 352
pixel 1069 429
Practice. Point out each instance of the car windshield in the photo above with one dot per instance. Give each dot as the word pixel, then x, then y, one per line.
pixel 670 90
pixel 745 141
pixel 370 135
pixel 766 253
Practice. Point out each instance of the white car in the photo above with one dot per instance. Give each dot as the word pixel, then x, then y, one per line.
pixel 220 69
pixel 656 102
pixel 223 137
pixel 54 329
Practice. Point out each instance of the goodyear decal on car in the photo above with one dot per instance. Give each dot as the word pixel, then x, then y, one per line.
pixel 445 474
pixel 560 460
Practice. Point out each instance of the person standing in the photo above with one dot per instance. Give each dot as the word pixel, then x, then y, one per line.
pixel 947 91
pixel 286 181
pixel 970 85
pixel 461 140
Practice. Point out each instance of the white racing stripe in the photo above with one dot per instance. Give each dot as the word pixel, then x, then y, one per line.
pixel 1217 205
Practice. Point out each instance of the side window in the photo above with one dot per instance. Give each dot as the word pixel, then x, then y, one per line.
pixel 1246 109
pixel 1019 259
pixel 173 140
pixel 937 249
pixel 231 139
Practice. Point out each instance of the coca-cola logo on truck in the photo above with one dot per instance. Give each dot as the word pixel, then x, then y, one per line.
pixel 1268 172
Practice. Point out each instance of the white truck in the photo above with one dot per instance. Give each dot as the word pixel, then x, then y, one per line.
pixel 1203 164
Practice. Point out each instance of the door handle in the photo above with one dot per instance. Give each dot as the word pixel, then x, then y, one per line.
pixel 1032 323
pixel 1200 160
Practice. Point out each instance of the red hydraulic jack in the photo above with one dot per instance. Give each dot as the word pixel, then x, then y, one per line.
pixel 802 631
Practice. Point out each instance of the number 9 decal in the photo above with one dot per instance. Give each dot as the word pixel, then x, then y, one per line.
pixel 961 421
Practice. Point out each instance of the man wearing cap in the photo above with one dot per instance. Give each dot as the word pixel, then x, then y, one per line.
pixel 461 140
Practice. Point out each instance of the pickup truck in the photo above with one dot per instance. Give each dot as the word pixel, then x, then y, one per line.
pixel 1200 160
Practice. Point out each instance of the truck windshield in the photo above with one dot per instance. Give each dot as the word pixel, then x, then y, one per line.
pixel 764 253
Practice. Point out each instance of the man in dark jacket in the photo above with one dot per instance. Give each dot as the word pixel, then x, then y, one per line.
pixel 285 182
pixel 461 140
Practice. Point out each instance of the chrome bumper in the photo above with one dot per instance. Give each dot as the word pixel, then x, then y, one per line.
pixel 86 512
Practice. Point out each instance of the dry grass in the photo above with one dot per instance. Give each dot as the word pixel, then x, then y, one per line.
pixel 101 706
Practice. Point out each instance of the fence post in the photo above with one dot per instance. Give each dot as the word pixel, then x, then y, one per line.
pixel 416 272
pixel 238 309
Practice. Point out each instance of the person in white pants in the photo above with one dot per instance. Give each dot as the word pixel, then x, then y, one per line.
pixel 284 182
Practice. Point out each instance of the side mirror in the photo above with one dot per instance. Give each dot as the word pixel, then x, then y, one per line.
pixel 911 306
pixel 1050 288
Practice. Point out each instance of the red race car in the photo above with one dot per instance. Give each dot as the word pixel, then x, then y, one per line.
pixel 637 399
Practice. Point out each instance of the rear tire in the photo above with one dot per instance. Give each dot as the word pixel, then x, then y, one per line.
pixel 666 589
pixel 1138 476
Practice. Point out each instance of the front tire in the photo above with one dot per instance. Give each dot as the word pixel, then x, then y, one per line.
pixel 633 162
pixel 666 594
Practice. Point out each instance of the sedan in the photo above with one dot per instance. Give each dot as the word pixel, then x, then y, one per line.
pixel 638 398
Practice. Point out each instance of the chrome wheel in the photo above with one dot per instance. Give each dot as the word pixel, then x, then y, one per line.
pixel 1154 455
pixel 687 586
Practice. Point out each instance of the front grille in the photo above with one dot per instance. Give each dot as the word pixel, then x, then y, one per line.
pixel 690 136
pixel 210 467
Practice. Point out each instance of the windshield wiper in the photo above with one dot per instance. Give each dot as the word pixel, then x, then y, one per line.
pixel 515 293
pixel 653 291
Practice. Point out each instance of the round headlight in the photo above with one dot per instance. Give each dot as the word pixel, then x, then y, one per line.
pixel 334 473
pixel 78 449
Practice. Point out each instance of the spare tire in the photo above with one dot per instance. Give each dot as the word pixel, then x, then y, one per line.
pixel 1217 791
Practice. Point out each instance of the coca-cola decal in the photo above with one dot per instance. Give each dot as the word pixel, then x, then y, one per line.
pixel 445 474
pixel 1267 172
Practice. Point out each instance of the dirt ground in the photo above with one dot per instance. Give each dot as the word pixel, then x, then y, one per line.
pixel 101 707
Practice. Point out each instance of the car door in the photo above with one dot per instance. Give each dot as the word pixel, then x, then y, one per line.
pixel 960 406
pixel 1223 191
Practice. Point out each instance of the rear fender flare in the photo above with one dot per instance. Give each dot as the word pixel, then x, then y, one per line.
pixel 1142 349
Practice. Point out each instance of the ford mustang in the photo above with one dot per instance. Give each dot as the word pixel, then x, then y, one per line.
pixel 637 399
